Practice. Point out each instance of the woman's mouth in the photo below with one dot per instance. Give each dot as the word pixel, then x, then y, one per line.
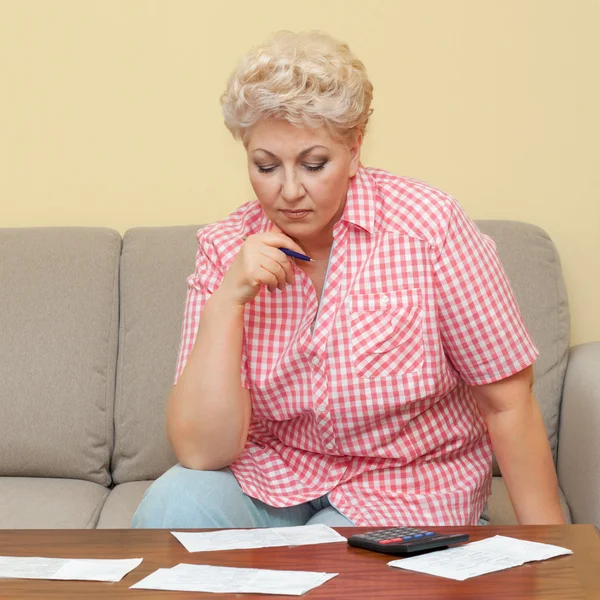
pixel 295 214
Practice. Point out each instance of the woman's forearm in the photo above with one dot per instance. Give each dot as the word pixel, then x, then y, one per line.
pixel 523 453
pixel 208 410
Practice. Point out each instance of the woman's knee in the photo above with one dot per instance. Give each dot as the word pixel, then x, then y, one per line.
pixel 183 498
pixel 331 517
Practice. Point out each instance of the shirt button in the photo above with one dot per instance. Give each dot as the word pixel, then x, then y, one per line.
pixel 329 446
pixel 315 361
pixel 320 408
pixel 385 299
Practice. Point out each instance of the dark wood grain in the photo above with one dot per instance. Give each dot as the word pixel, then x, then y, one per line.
pixel 363 575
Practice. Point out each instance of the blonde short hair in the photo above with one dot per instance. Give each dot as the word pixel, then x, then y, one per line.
pixel 307 79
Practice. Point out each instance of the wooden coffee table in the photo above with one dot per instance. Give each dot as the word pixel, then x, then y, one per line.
pixel 363 575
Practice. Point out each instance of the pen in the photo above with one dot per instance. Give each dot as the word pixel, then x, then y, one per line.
pixel 292 253
pixel 297 255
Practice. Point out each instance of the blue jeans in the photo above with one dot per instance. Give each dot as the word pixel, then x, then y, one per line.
pixel 188 499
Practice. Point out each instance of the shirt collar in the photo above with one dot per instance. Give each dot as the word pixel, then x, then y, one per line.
pixel 360 201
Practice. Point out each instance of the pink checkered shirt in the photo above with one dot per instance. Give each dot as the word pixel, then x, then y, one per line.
pixel 372 406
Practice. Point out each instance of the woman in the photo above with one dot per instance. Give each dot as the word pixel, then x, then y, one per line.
pixel 369 386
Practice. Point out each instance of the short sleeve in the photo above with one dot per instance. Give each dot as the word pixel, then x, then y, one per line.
pixel 201 284
pixel 481 326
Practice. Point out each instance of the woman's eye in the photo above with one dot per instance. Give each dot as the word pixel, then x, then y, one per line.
pixel 311 168
pixel 314 168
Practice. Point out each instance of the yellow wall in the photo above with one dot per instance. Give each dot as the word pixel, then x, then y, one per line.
pixel 109 111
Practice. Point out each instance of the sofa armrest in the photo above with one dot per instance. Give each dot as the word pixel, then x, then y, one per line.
pixel 578 434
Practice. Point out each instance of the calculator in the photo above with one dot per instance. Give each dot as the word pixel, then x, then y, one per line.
pixel 405 540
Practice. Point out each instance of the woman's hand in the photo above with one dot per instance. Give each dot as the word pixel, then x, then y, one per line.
pixel 260 262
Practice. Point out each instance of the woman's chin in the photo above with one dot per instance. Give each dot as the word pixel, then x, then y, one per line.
pixel 292 228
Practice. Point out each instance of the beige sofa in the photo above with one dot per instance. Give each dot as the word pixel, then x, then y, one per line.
pixel 89 331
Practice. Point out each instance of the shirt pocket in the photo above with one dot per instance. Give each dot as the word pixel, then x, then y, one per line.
pixel 387 333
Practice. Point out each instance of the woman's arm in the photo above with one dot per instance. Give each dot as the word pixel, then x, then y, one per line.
pixel 520 443
pixel 208 413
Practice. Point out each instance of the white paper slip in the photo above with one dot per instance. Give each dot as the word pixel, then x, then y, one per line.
pixel 477 558
pixel 239 539
pixel 231 580
pixel 81 569
pixel 96 569
pixel 29 568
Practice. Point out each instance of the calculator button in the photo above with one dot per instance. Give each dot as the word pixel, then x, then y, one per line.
pixel 393 540
pixel 430 533
pixel 418 535
pixel 408 537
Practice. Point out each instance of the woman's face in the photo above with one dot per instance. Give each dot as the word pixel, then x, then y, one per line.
pixel 300 177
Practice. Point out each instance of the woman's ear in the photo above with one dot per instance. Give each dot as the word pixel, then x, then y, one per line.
pixel 354 149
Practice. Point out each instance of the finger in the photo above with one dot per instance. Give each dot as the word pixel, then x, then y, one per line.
pixel 262 276
pixel 280 240
pixel 275 268
pixel 275 239
pixel 276 261
pixel 269 279
pixel 282 259
pixel 288 267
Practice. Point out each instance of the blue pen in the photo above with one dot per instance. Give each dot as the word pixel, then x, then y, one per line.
pixel 292 253
pixel 297 255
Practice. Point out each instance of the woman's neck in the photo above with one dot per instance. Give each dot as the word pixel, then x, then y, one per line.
pixel 317 249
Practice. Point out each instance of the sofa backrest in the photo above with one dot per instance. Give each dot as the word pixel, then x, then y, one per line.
pixel 532 264
pixel 154 268
pixel 58 347
pixel 155 264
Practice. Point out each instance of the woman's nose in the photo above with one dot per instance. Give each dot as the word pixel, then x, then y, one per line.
pixel 292 188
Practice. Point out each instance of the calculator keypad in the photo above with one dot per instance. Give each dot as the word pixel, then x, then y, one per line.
pixel 405 540
pixel 399 534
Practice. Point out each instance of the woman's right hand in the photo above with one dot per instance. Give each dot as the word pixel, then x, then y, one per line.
pixel 260 262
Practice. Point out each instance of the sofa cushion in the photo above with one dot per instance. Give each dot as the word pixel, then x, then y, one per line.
pixel 155 264
pixel 532 265
pixel 500 510
pixel 58 347
pixel 45 503
pixel 121 504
